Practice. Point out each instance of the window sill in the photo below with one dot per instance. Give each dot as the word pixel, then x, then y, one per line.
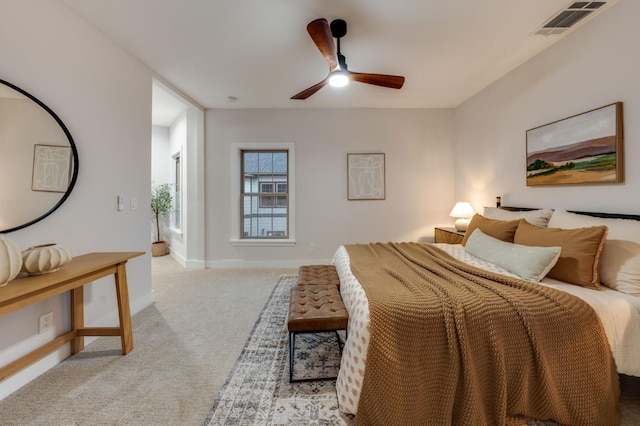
pixel 262 243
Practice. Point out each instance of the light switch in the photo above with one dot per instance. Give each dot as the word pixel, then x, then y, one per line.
pixel 120 203
pixel 134 203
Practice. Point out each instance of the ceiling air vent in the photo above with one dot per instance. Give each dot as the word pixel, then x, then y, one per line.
pixel 568 17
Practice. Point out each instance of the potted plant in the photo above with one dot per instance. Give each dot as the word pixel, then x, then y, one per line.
pixel 161 200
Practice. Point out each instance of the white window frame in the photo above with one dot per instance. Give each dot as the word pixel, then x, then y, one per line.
pixel 236 155
pixel 177 179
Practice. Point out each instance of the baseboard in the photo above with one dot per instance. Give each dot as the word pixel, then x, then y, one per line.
pixel 188 264
pixel 264 264
pixel 29 373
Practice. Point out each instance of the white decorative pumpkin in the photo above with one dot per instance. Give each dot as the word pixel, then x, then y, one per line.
pixel 10 260
pixel 44 258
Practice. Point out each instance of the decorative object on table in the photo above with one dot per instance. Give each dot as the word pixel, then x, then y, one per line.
pixel 463 212
pixel 366 176
pixel 584 148
pixel 10 260
pixel 161 202
pixel 44 258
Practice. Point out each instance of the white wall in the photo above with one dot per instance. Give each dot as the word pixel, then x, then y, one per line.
pixel 594 66
pixel 419 178
pixel 160 155
pixel 103 95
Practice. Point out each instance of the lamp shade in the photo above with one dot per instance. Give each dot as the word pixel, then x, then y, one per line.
pixel 462 211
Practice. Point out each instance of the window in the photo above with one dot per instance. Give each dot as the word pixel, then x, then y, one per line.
pixel 264 196
pixel 244 229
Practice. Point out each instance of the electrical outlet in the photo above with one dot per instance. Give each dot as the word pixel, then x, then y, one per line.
pixel 312 247
pixel 45 323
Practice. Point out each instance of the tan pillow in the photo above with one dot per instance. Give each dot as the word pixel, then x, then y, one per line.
pixel 579 261
pixel 500 229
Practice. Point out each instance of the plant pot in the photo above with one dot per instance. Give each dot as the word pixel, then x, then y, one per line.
pixel 159 248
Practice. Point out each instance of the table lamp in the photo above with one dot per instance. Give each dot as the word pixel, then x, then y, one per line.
pixel 463 212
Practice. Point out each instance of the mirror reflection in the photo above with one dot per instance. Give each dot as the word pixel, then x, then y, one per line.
pixel 38 159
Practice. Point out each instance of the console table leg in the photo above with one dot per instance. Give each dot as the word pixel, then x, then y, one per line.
pixel 77 317
pixel 122 292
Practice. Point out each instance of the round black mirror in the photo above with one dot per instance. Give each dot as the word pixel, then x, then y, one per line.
pixel 38 159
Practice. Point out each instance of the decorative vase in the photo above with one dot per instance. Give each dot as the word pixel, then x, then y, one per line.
pixel 44 258
pixel 10 260
pixel 159 248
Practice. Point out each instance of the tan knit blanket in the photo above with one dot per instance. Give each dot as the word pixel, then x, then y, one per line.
pixel 455 345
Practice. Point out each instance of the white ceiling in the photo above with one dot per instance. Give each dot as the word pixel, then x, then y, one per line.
pixel 259 52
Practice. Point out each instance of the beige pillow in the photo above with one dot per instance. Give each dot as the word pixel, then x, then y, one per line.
pixel 582 248
pixel 534 217
pixel 500 229
pixel 620 262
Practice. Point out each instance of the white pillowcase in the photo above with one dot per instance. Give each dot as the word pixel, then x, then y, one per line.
pixel 528 262
pixel 620 261
pixel 534 217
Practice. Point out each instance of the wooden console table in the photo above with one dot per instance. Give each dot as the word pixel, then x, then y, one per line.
pixel 71 277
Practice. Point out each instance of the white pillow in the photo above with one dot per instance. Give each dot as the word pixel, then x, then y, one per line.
pixel 620 261
pixel 534 217
pixel 529 262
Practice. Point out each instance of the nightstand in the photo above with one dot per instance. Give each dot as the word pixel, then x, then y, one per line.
pixel 448 235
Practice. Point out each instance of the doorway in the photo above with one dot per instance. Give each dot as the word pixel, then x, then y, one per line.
pixel 177 159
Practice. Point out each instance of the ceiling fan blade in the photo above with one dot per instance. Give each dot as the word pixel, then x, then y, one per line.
pixel 320 33
pixel 311 90
pixel 384 80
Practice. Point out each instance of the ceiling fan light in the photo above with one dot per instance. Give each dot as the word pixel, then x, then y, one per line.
pixel 338 79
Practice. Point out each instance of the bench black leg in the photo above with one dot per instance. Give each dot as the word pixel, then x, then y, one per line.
pixel 292 354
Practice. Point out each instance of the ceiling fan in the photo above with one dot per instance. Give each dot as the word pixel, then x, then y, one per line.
pixel 322 35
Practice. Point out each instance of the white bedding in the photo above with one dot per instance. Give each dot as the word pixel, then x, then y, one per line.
pixel 618 312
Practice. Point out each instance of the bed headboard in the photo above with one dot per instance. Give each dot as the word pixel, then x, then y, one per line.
pixel 595 214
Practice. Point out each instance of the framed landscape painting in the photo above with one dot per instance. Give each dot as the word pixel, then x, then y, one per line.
pixel 584 148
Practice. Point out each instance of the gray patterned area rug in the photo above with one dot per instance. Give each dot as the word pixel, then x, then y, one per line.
pixel 258 392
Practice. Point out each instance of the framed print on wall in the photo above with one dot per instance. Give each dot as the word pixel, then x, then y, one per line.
pixel 51 168
pixel 366 176
pixel 584 148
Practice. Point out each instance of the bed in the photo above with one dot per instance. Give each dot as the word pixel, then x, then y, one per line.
pixel 614 305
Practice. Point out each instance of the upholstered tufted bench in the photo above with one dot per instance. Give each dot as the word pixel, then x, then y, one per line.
pixel 318 275
pixel 314 309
